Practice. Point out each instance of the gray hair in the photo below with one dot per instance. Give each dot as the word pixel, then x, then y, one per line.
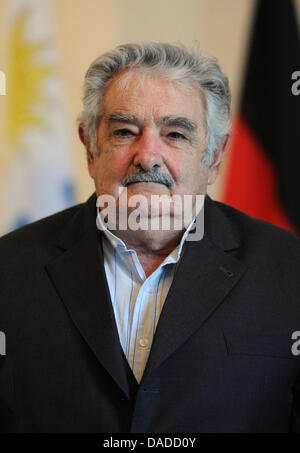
pixel 176 63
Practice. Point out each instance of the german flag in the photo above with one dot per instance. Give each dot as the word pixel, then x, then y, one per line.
pixel 263 177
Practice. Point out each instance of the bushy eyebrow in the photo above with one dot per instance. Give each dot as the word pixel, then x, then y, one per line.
pixel 168 121
pixel 179 121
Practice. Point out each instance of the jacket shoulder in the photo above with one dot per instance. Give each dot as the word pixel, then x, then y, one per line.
pixel 260 233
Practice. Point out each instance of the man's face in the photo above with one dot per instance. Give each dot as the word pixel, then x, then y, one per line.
pixel 155 126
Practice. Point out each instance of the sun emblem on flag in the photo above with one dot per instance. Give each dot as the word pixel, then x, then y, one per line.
pixel 25 77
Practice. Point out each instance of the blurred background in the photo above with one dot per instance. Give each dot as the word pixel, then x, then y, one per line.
pixel 46 47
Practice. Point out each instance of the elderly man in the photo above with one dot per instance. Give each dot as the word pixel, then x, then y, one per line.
pixel 112 329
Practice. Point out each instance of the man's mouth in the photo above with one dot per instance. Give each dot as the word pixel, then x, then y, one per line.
pixel 155 179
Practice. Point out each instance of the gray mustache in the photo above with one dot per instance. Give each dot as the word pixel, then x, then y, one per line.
pixel 149 176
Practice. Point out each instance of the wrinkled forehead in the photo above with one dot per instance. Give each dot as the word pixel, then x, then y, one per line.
pixel 144 91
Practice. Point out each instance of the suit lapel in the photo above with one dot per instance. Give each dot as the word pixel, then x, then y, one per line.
pixel 79 277
pixel 205 275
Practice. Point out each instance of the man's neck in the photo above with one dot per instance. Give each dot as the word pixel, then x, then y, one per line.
pixel 151 247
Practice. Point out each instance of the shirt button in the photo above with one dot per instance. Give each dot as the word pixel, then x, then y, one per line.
pixel 143 342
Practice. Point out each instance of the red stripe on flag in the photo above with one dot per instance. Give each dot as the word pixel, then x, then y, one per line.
pixel 250 181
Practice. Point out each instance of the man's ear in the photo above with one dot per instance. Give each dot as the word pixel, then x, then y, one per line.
pixel 81 133
pixel 218 156
pixel 89 155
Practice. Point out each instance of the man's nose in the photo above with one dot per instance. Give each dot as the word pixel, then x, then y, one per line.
pixel 148 151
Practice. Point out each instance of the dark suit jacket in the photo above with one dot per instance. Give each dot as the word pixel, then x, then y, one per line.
pixel 221 357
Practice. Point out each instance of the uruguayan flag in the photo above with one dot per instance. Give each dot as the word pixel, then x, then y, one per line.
pixel 37 163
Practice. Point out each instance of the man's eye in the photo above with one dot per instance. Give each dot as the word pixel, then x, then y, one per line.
pixel 176 136
pixel 123 133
